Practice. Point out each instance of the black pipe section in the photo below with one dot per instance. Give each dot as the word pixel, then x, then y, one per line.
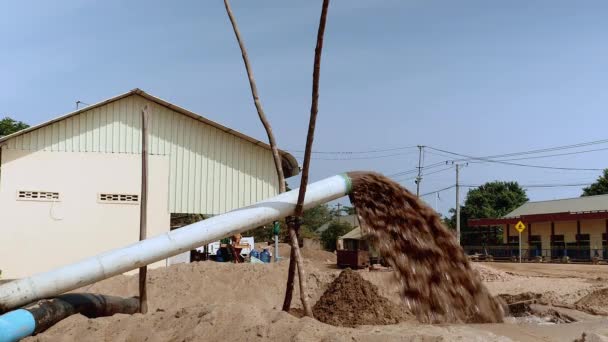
pixel 48 312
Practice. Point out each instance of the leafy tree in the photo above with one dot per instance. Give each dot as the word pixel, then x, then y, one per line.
pixel 315 217
pixel 333 232
pixel 600 187
pixel 491 200
pixel 9 126
pixel 265 234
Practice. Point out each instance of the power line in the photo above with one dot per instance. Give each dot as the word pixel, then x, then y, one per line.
pixel 401 173
pixel 550 149
pixel 533 157
pixel 487 160
pixel 440 190
pixel 359 152
pixel 426 174
pixel 522 185
pixel 539 185
pixel 359 158
pixel 536 151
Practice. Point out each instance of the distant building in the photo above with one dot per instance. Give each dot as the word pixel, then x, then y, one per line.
pixel 576 227
pixel 70 187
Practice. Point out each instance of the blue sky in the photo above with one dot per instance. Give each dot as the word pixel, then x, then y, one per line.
pixel 474 77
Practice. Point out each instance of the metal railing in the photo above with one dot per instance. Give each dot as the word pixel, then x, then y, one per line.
pixel 555 253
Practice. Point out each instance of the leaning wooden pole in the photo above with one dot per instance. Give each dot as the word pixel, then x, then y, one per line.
pixel 314 109
pixel 143 211
pixel 256 100
pixel 295 248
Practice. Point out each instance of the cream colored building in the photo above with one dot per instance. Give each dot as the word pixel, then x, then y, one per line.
pixel 576 227
pixel 70 187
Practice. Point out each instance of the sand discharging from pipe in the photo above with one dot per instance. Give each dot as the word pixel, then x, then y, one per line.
pixel 436 278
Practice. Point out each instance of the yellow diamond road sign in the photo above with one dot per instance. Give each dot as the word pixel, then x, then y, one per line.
pixel 520 226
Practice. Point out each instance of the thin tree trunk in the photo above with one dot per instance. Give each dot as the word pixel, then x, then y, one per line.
pixel 256 100
pixel 314 109
pixel 273 145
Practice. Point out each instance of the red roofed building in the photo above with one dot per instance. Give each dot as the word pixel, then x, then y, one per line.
pixel 576 227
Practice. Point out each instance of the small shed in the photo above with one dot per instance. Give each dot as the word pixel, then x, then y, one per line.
pixel 353 250
pixel 353 240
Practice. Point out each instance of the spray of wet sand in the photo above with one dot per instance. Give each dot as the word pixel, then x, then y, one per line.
pixel 437 281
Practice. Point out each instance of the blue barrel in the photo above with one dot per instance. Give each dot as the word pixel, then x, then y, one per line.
pixel 218 256
pixel 265 256
pixel 254 254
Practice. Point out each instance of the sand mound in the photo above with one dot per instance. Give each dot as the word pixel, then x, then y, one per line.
pixel 520 297
pixel 351 300
pixel 489 274
pixel 315 255
pixel 595 303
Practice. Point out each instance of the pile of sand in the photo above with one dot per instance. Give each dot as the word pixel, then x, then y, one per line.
pixel 209 301
pixel 489 274
pixel 351 300
pixel 520 297
pixel 316 255
pixel 595 303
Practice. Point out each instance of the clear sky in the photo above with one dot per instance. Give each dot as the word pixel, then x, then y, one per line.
pixel 474 77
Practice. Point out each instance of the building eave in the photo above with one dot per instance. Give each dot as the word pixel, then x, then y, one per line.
pixel 535 218
pixel 290 164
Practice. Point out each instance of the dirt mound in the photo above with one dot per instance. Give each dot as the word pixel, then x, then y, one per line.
pixel 520 297
pixel 489 274
pixel 438 282
pixel 316 255
pixel 595 303
pixel 351 300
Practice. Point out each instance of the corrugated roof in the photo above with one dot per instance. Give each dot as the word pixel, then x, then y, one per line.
pixel 572 205
pixel 292 164
pixel 353 234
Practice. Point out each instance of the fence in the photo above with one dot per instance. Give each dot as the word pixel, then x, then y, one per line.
pixel 508 252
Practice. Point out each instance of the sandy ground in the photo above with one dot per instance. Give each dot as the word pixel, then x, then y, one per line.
pixel 209 301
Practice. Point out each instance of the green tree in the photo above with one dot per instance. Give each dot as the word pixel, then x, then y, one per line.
pixel 333 232
pixel 491 200
pixel 600 187
pixel 9 126
pixel 315 217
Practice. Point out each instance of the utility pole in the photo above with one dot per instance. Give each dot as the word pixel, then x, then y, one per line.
pixel 458 203
pixel 458 200
pixel 419 177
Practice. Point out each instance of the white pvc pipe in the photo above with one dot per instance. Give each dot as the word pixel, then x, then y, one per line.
pixel 117 261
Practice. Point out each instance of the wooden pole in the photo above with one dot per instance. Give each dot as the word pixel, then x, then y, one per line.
pixel 256 100
pixel 143 295
pixel 274 148
pixel 294 224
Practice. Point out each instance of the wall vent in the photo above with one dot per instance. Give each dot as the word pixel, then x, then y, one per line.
pixel 47 196
pixel 118 198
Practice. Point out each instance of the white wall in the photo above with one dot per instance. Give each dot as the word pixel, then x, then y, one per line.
pixel 211 171
pixel 38 236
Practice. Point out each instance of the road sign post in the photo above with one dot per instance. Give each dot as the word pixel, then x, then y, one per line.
pixel 520 226
pixel 520 247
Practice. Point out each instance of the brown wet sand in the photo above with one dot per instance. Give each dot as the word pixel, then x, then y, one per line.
pixel 437 281
pixel 242 302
